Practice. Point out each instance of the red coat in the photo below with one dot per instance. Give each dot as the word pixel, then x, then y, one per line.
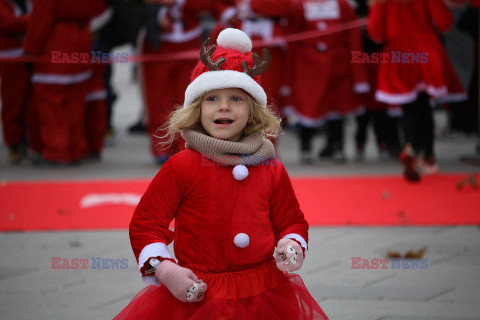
pixel 12 28
pixel 324 81
pixel 64 28
pixel 210 208
pixel 411 27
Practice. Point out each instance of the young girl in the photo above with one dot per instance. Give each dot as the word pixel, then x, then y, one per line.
pixel 232 201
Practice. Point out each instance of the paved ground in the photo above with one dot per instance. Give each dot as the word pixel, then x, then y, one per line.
pixel 447 287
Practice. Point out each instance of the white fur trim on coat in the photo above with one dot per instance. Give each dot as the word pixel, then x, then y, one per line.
pixel 101 20
pixel 11 53
pixel 361 87
pixel 227 14
pixel 299 238
pixel 223 79
pixel 437 93
pixel 64 79
pixel 157 249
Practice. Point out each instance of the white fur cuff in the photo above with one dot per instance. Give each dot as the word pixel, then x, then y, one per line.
pixel 299 238
pixel 157 249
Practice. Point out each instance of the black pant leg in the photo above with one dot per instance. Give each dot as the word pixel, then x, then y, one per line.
pixel 306 135
pixel 361 133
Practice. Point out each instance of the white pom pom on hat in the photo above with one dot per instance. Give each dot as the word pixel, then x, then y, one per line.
pixel 234 39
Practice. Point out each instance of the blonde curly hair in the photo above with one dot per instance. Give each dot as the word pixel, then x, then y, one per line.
pixel 260 118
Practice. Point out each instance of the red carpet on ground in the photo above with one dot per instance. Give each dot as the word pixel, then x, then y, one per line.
pixel 325 201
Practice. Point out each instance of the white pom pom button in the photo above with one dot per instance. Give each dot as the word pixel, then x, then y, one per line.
pixel 240 172
pixel 241 240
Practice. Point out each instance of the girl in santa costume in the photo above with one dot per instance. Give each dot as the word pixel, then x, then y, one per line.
pixel 416 70
pixel 232 202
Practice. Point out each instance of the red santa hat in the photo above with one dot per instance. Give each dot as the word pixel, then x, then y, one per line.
pixel 231 64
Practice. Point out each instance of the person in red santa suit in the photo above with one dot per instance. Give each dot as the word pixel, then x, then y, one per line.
pixel 97 96
pixel 163 81
pixel 14 76
pixel 382 118
pixel 60 34
pixel 415 70
pixel 232 201
pixel 325 83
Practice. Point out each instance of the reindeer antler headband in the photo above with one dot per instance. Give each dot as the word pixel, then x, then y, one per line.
pixel 231 67
pixel 259 67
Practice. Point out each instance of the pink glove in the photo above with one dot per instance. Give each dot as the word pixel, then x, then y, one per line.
pixel 289 255
pixel 181 282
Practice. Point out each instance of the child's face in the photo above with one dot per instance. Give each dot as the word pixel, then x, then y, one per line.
pixel 224 113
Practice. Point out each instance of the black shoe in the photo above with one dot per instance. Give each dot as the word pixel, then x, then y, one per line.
pixel 138 128
pixel 327 152
pixel 93 157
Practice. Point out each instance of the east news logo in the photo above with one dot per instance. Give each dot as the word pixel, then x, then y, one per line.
pixel 93 263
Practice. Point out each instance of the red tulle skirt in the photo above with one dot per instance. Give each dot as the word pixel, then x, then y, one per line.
pixel 263 292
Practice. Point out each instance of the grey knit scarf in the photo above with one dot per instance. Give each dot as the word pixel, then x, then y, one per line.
pixel 251 150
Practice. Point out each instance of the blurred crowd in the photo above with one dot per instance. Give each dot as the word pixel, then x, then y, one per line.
pixel 381 61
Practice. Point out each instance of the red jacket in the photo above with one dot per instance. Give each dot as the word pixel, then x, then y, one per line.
pixel 416 58
pixel 337 43
pixel 324 80
pixel 210 208
pixel 393 19
pixel 64 27
pixel 12 28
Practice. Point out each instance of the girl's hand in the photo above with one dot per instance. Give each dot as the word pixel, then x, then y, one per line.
pixel 288 255
pixel 181 282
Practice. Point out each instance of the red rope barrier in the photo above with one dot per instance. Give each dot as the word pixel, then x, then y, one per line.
pixel 193 54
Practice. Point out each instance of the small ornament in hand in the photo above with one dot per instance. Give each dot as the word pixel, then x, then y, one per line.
pixel 197 291
pixel 289 255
